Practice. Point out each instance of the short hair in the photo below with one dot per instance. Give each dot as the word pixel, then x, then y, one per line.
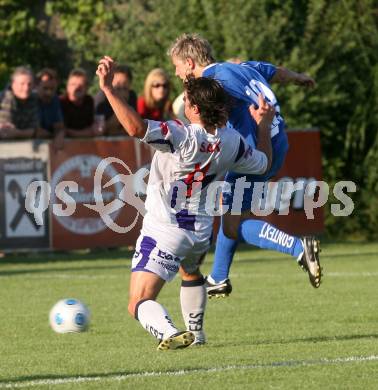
pixel 48 73
pixel 147 91
pixel 192 46
pixel 212 100
pixel 125 69
pixel 22 70
pixel 78 72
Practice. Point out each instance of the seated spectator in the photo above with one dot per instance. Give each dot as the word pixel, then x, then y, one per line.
pixel 154 103
pixel 78 107
pixel 50 112
pixel 122 82
pixel 19 106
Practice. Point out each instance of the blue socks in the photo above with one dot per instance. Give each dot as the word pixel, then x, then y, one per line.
pixel 264 235
pixel 224 254
pixel 253 232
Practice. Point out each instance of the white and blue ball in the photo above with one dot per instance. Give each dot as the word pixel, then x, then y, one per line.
pixel 69 315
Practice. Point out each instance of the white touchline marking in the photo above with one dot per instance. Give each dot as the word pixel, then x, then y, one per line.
pixel 346 274
pixel 107 378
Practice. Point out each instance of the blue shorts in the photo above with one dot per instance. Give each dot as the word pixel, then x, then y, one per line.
pixel 280 146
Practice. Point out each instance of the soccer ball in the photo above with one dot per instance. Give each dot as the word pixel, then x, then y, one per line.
pixel 69 315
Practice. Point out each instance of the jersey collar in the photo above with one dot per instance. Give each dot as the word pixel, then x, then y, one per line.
pixel 208 67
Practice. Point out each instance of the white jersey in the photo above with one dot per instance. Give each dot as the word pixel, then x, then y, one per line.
pixel 184 176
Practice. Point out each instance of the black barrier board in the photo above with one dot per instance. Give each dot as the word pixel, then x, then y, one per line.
pixel 18 227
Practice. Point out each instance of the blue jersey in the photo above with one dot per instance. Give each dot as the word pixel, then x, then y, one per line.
pixel 244 82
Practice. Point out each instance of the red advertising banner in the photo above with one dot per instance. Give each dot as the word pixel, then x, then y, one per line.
pixel 76 220
pixel 89 206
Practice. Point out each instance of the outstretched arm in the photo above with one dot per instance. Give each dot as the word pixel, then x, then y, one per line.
pixel 131 121
pixel 285 76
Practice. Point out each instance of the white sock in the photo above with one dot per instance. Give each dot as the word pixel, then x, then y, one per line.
pixel 193 303
pixel 155 319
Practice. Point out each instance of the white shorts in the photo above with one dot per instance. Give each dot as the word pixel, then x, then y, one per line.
pixel 161 249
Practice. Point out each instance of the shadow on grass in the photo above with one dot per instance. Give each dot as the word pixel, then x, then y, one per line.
pixel 126 254
pixel 63 270
pixel 319 339
pixel 119 253
pixel 87 255
pixel 98 376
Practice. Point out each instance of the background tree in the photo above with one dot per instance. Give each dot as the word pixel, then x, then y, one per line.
pixel 24 38
pixel 334 41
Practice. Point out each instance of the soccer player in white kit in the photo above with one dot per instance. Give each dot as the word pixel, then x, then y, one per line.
pixel 185 173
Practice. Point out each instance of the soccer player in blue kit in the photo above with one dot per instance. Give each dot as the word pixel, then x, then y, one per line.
pixel 192 56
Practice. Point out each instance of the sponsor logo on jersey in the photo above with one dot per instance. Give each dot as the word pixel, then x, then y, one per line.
pixel 164 128
pixel 208 147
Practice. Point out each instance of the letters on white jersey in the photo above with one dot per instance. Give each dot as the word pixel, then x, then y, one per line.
pixel 189 160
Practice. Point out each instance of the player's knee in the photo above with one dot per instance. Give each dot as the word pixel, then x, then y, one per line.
pixel 198 280
pixel 230 231
pixel 193 274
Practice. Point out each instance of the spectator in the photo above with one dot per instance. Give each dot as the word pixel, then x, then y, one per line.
pixel 122 82
pixel 50 112
pixel 154 103
pixel 78 107
pixel 19 106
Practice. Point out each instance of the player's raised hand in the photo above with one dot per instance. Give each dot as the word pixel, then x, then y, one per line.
pixel 304 80
pixel 264 114
pixel 105 72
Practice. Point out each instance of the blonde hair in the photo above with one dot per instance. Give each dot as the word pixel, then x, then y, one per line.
pixel 192 46
pixel 154 74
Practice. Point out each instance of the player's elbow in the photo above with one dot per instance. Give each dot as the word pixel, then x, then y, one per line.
pixel 266 165
pixel 280 77
pixel 132 131
pixel 137 131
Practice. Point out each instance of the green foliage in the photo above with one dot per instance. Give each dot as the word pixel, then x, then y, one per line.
pixel 23 37
pixel 334 41
pixel 83 23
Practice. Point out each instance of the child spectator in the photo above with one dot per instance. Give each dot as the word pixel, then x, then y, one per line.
pixel 19 106
pixel 154 103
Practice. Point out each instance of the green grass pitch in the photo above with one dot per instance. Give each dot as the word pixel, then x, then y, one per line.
pixel 274 332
